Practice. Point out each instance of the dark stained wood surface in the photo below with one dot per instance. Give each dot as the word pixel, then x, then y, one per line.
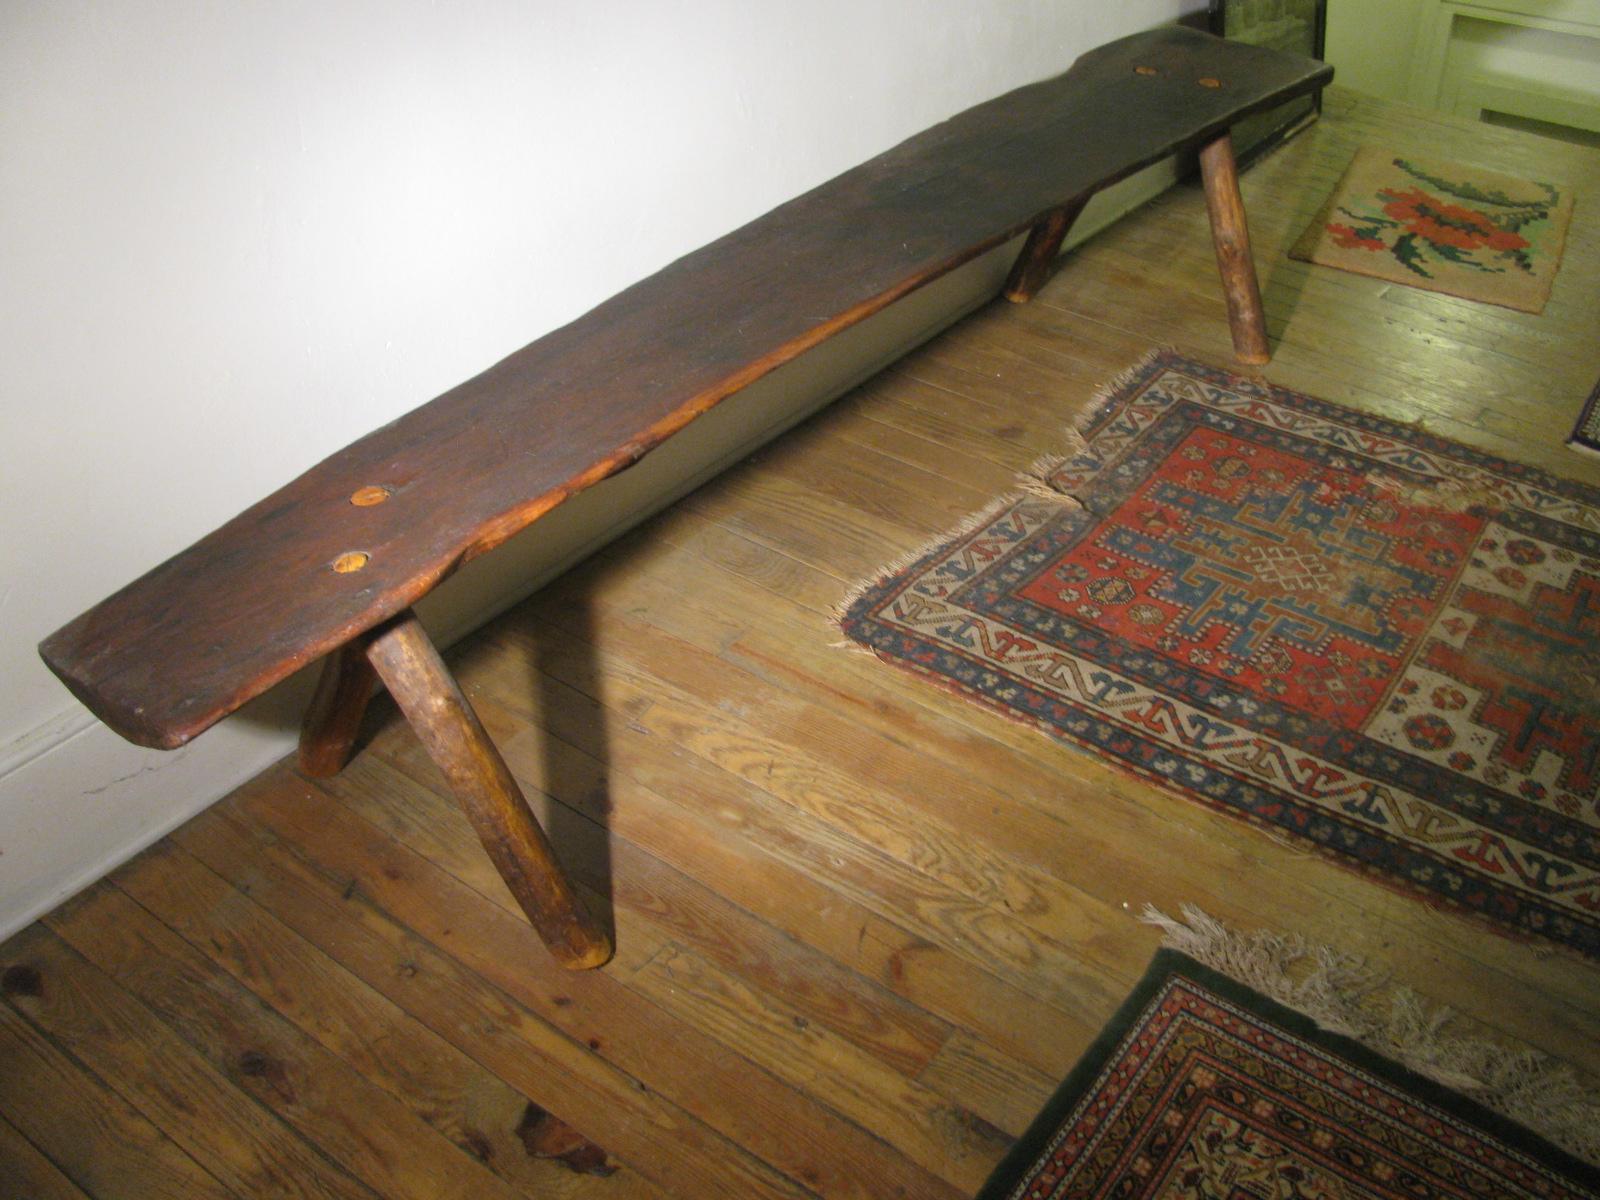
pixel 333 719
pixel 1032 269
pixel 274 588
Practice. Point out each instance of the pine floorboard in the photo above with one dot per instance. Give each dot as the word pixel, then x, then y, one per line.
pixel 863 927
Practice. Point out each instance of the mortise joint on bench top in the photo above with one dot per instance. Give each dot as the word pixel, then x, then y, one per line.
pixel 356 540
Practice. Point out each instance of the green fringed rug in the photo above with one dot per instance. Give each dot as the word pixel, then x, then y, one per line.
pixel 1203 1089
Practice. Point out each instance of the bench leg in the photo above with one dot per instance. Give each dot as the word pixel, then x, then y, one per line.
pixel 428 696
pixel 1038 256
pixel 1246 320
pixel 328 736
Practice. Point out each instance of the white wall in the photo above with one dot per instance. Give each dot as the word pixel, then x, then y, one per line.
pixel 1370 44
pixel 1425 51
pixel 235 236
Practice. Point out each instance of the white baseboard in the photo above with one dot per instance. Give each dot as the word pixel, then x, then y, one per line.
pixel 76 800
pixel 75 811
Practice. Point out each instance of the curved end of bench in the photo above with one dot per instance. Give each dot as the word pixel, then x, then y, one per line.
pixel 126 724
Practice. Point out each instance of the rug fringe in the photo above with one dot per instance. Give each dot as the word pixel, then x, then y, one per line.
pixel 1033 481
pixel 1041 469
pixel 1039 485
pixel 1346 995
pixel 850 644
pixel 910 558
pixel 1113 388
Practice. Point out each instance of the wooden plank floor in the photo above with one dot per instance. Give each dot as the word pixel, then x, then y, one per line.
pixel 863 928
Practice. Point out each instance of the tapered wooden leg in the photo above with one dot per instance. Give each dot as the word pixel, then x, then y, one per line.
pixel 1038 257
pixel 328 736
pixel 1246 320
pixel 428 696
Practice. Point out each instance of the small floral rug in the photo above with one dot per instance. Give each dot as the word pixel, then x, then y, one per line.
pixel 1442 226
pixel 1375 642
pixel 1202 1089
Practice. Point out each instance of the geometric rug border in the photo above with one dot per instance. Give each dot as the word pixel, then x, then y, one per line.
pixel 1167 962
pixel 1531 912
pixel 1107 398
pixel 1372 874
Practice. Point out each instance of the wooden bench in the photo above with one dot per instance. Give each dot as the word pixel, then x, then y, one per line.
pixel 332 563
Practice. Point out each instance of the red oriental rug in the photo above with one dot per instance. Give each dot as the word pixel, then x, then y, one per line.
pixel 1377 642
pixel 1201 1089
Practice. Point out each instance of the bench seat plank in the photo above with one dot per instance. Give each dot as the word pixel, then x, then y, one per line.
pixel 216 625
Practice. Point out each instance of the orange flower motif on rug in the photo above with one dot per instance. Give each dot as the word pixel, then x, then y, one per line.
pixel 1443 226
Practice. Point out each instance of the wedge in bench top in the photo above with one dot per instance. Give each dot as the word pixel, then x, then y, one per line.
pixel 364 534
